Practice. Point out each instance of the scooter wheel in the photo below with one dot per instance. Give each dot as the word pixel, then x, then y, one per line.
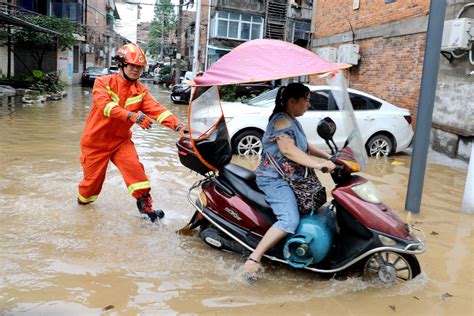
pixel 389 267
pixel 212 237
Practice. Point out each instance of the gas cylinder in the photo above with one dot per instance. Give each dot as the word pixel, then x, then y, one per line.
pixel 312 240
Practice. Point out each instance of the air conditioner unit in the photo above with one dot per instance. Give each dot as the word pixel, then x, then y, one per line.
pixel 458 34
pixel 348 53
pixel 328 53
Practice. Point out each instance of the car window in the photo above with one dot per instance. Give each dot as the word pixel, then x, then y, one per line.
pixel 322 100
pixel 97 70
pixel 266 96
pixel 360 102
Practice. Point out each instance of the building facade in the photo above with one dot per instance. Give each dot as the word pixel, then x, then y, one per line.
pixel 102 41
pixel 389 39
pixel 452 132
pixel 92 48
pixel 225 24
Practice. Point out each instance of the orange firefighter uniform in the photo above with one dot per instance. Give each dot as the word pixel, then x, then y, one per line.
pixel 107 135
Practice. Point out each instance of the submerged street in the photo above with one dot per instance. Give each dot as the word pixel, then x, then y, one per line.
pixel 59 258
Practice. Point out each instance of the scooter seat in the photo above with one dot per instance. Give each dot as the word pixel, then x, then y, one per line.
pixel 242 180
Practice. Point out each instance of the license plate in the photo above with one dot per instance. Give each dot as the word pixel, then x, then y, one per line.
pixel 92 77
pixel 178 97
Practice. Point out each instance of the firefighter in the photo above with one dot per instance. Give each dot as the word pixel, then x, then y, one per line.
pixel 119 101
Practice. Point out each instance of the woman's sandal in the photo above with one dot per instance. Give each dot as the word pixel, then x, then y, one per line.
pixel 251 276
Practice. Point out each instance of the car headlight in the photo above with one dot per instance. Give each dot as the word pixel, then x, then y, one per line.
pixel 367 192
pixel 228 119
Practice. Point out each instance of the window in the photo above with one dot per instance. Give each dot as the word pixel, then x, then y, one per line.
pixel 238 26
pixel 300 31
pixel 322 101
pixel 360 102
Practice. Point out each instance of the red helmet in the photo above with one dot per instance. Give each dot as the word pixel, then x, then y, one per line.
pixel 131 54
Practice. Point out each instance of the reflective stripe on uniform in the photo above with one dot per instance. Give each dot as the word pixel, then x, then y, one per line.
pixel 163 116
pixel 87 200
pixel 113 95
pixel 139 186
pixel 108 108
pixel 135 99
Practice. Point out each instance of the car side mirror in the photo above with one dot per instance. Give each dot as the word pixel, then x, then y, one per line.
pixel 326 128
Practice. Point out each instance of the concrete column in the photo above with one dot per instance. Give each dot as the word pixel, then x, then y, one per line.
pixel 468 201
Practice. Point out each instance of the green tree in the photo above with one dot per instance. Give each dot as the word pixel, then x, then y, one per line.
pixel 163 22
pixel 40 42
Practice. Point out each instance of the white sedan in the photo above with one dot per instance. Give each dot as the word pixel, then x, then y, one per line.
pixel 385 128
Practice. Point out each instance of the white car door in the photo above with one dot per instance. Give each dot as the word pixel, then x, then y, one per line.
pixel 322 105
pixel 367 114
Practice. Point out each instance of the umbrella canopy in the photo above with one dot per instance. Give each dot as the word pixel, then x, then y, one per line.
pixel 264 60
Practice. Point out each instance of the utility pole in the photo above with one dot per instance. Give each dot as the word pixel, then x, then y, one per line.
pixel 178 43
pixel 424 115
pixel 162 37
pixel 197 36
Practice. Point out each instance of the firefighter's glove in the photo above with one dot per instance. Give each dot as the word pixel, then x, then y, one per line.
pixel 140 119
pixel 181 129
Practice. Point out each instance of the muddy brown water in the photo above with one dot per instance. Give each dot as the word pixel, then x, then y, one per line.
pixel 58 258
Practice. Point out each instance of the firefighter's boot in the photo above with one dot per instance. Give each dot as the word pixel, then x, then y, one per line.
pixel 145 206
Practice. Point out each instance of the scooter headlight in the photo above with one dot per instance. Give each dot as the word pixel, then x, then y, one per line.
pixel 203 199
pixel 367 192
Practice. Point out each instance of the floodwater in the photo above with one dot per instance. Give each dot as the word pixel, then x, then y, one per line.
pixel 59 258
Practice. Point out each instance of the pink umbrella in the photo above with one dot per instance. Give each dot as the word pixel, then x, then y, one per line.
pixel 264 60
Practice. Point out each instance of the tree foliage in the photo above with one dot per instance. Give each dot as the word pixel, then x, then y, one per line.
pixel 39 42
pixel 163 22
pixel 63 26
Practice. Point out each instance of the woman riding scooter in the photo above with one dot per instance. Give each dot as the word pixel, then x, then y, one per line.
pixel 286 142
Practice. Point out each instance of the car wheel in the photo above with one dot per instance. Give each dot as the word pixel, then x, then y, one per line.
pixel 249 143
pixel 379 145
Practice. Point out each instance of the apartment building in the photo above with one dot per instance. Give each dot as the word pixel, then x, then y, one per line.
pixel 226 24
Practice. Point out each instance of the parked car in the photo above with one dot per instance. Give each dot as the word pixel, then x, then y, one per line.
pixel 113 69
pixel 180 93
pixel 254 88
pixel 89 75
pixel 385 128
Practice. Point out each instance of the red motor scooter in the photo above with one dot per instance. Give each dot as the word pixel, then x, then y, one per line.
pixel 356 230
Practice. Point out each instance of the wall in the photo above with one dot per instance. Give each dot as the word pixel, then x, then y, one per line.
pixel 65 61
pixel 453 117
pixel 303 11
pixel 4 62
pixel 391 39
pixel 241 5
pixel 96 28
pixel 333 16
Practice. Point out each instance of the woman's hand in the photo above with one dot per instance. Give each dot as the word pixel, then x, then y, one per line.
pixel 328 166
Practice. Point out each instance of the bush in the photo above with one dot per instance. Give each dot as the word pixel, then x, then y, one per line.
pixel 47 83
pixel 166 70
pixel 228 94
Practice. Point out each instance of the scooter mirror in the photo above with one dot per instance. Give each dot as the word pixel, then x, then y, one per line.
pixel 326 128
